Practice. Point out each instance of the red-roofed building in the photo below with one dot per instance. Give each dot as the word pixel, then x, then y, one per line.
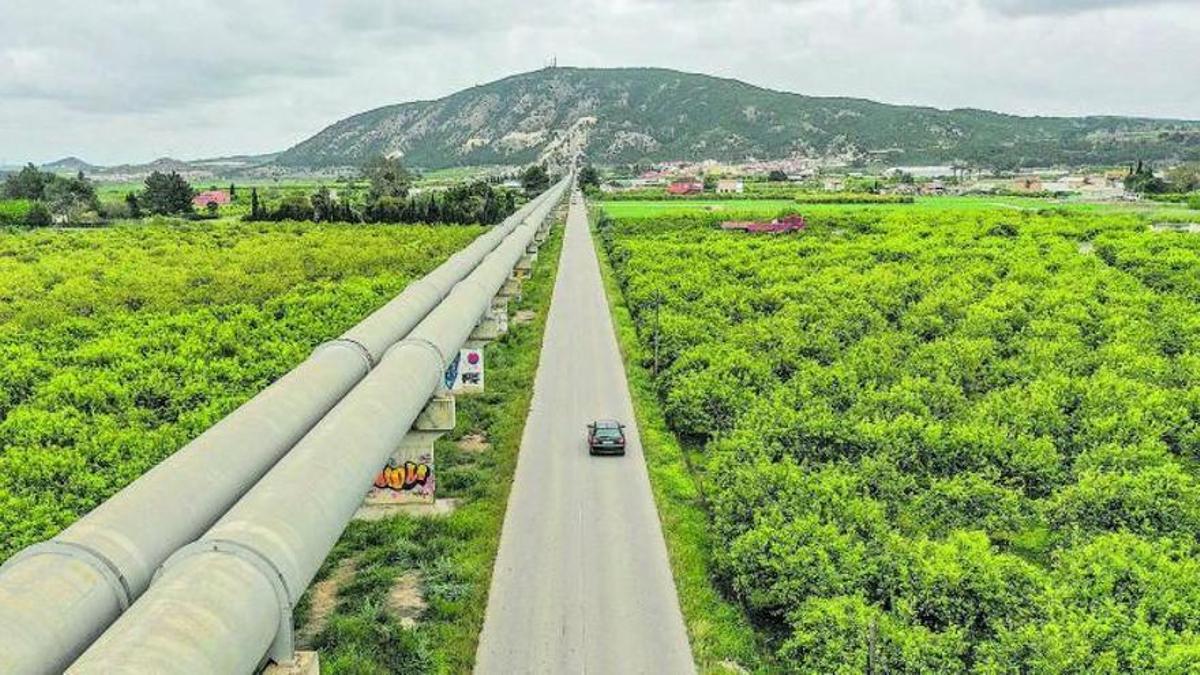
pixel 207 197
pixel 685 187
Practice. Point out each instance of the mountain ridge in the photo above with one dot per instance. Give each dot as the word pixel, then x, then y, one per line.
pixel 661 114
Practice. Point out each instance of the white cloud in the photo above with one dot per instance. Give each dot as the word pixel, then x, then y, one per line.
pixel 129 80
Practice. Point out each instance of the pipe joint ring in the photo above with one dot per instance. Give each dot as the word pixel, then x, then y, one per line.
pixel 428 346
pixel 355 346
pixel 106 568
pixel 283 648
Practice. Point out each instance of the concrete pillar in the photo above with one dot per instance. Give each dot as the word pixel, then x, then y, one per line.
pixel 525 265
pixel 304 663
pixel 493 325
pixel 512 287
pixel 471 368
pixel 409 476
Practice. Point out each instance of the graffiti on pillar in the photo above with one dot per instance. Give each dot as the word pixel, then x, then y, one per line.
pixel 405 481
pixel 467 375
pixel 405 477
pixel 451 376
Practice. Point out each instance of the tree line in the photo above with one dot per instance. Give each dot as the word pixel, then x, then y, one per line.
pixel 46 198
pixel 390 199
pixel 54 198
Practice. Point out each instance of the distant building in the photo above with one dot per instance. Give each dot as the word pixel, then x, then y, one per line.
pixel 685 187
pixel 731 186
pixel 834 184
pixel 219 197
pixel 921 171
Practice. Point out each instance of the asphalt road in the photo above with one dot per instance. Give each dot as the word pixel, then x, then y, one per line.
pixel 581 583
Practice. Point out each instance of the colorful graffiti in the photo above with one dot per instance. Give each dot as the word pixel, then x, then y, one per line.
pixel 408 476
pixel 451 376
pixel 465 374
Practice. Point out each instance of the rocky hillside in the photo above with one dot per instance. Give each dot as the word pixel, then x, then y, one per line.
pixel 623 115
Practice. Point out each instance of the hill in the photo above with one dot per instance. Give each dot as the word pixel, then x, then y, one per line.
pixel 631 114
pixel 69 165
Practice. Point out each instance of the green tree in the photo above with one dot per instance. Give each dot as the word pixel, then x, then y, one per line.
pixel 323 205
pixel 167 194
pixel 1143 181
pixel 294 207
pixel 387 177
pixel 535 179
pixel 589 178
pixel 28 183
pixel 255 207
pixel 39 216
pixel 135 207
pixel 1184 178
pixel 777 176
pixel 73 199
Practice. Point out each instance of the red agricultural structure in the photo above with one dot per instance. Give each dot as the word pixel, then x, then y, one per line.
pixel 777 226
pixel 685 188
pixel 203 199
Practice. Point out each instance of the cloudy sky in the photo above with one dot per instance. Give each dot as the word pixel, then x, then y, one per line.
pixel 129 80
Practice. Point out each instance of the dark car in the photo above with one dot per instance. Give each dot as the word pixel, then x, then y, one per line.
pixel 606 437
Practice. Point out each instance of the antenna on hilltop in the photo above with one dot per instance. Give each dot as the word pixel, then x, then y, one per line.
pixel 552 62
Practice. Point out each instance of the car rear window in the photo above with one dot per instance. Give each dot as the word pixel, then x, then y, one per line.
pixel 608 432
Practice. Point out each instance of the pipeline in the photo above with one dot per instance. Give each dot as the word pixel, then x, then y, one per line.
pixel 223 604
pixel 56 597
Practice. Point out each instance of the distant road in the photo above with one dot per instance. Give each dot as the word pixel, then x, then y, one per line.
pixel 582 583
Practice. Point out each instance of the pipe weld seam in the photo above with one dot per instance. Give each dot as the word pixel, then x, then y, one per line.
pixel 107 569
pixel 259 561
pixel 356 346
pixel 427 345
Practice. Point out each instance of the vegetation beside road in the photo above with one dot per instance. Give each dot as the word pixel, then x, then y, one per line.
pixel 720 634
pixel 934 440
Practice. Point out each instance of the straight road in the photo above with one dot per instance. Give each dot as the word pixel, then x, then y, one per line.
pixel 582 583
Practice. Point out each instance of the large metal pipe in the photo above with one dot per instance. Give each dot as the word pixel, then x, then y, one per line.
pixel 223 604
pixel 58 596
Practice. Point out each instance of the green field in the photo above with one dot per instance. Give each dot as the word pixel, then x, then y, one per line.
pixel 731 209
pixel 119 345
pixel 928 438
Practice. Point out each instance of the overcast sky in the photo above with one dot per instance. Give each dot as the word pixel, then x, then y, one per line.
pixel 129 80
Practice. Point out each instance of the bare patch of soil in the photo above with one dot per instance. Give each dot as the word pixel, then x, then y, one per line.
pixel 405 601
pixel 474 443
pixel 523 316
pixel 324 601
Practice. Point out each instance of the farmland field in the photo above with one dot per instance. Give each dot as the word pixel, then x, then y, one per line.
pixel 732 208
pixel 119 345
pixel 935 439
